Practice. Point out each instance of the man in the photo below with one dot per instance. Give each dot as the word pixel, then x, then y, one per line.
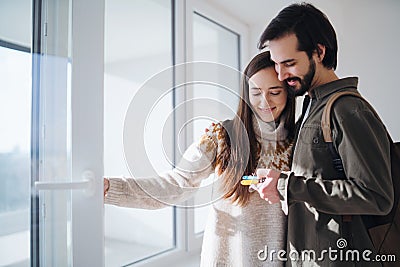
pixel 324 223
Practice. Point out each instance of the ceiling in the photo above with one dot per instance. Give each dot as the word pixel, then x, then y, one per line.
pixel 250 12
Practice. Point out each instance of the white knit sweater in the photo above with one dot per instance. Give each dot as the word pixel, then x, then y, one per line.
pixel 233 235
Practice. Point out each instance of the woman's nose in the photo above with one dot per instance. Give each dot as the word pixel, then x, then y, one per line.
pixel 265 99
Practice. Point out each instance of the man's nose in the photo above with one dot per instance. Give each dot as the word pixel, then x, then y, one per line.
pixel 282 73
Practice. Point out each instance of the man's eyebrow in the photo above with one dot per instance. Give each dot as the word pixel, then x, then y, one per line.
pixel 286 61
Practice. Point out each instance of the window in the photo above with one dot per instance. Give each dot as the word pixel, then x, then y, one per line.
pixel 142 40
pixel 138 45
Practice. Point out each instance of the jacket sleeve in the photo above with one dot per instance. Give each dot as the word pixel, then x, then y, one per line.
pixel 364 148
pixel 171 187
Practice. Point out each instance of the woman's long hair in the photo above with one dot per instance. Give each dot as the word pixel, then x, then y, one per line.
pixel 241 154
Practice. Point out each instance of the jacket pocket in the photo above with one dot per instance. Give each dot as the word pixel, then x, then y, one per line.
pixel 311 135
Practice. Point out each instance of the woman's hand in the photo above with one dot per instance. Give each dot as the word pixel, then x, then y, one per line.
pixel 106 186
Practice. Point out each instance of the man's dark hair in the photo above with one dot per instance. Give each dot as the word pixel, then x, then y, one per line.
pixel 311 28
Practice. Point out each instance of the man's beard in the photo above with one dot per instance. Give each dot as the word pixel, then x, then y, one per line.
pixel 305 83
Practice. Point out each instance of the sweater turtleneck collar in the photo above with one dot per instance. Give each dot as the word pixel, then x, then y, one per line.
pixel 270 131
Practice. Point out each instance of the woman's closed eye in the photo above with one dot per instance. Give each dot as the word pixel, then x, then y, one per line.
pixel 275 92
pixel 255 91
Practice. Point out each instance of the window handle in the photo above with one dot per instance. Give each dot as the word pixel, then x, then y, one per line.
pixel 87 184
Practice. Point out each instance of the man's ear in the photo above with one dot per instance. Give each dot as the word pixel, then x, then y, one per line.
pixel 320 53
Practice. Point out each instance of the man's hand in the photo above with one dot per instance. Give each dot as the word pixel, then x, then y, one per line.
pixel 268 189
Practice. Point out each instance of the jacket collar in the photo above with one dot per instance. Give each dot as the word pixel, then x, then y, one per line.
pixel 324 90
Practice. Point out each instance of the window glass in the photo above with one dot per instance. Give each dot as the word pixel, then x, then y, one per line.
pixel 15 107
pixel 138 45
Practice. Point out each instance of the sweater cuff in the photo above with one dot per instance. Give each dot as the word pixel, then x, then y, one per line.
pixel 115 191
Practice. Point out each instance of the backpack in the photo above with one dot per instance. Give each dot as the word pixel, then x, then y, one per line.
pixel 384 230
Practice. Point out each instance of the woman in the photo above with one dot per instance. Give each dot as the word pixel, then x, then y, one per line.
pixel 240 224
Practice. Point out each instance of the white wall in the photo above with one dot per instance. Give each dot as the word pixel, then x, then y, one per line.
pixel 368 34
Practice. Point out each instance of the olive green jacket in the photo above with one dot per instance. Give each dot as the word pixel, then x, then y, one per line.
pixel 313 196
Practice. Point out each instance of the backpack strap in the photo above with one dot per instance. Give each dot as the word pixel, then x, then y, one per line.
pixel 327 131
pixel 336 160
pixel 326 114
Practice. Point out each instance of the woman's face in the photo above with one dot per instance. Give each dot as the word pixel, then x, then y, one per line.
pixel 267 95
